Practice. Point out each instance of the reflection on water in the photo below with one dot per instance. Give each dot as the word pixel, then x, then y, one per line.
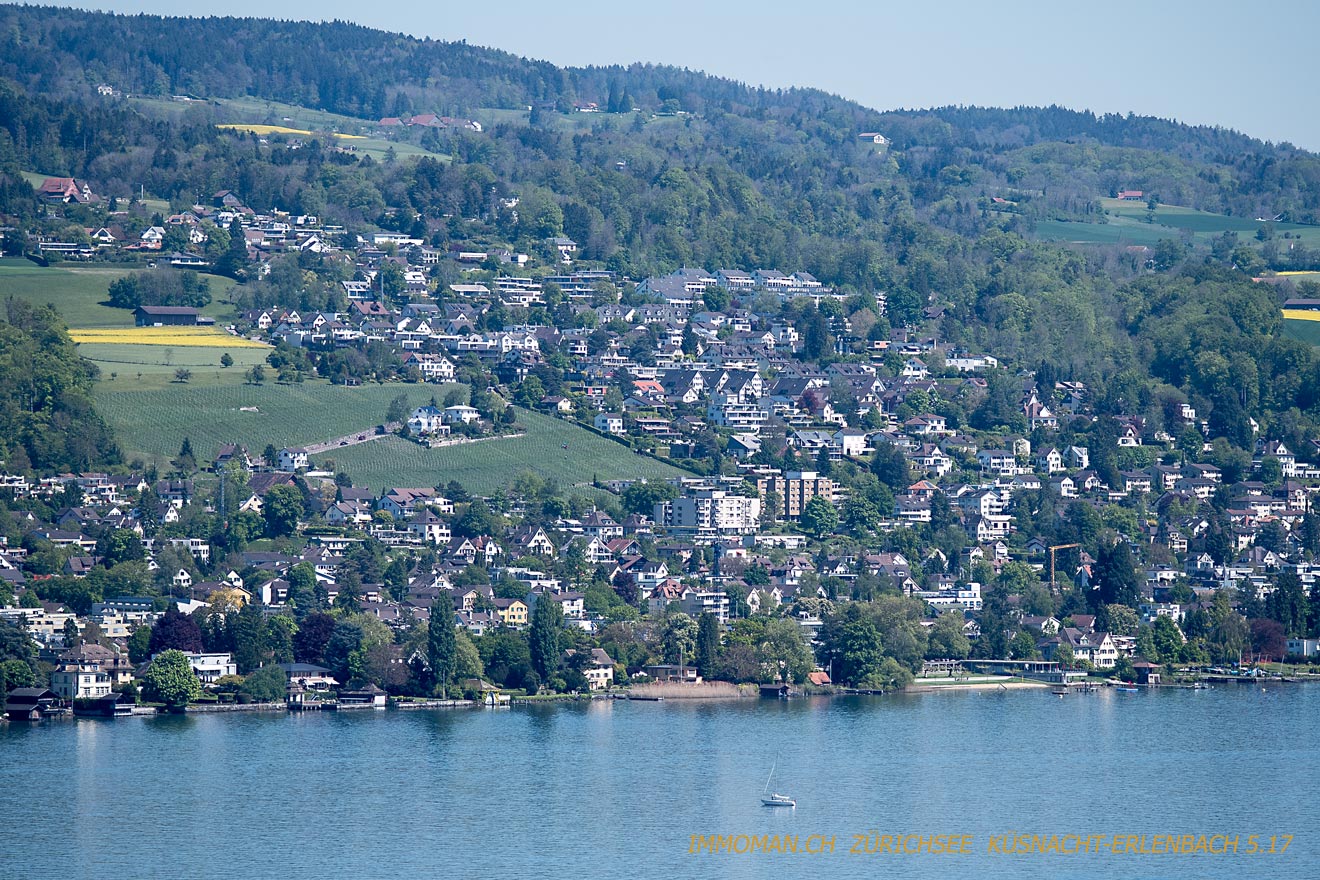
pixel 616 789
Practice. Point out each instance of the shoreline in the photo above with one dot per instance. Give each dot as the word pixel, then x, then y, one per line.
pixel 938 685
pixel 654 692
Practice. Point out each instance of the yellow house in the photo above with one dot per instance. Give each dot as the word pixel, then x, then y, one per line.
pixel 513 612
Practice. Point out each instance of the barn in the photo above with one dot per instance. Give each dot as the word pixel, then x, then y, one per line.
pixel 157 316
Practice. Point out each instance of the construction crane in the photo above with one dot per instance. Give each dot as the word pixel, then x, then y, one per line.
pixel 1052 549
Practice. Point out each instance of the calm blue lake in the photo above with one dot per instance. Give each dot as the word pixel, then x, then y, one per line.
pixel 617 789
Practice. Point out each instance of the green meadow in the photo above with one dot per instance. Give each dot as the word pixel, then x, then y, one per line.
pixel 487 465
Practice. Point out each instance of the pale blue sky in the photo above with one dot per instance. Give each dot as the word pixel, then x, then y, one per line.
pixel 1214 62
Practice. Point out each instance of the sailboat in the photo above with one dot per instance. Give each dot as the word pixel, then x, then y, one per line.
pixel 776 799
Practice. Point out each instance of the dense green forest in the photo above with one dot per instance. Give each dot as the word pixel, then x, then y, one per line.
pixel 46 416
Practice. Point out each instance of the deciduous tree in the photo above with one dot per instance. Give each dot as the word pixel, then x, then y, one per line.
pixel 170 680
pixel 175 630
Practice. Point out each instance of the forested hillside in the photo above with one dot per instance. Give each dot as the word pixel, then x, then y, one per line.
pixel 360 72
pixel 688 170
pixel 47 421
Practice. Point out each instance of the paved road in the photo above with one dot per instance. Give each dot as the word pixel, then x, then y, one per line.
pixel 364 436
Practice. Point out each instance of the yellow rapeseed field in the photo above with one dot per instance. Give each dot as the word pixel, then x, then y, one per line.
pixel 205 337
pixel 280 129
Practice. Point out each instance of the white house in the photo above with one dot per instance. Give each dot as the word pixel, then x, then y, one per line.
pixel 454 415
pixel 566 247
pixel 915 368
pixel 427 420
pixel 849 442
pixel 429 528
pixel 293 459
pixel 1050 461
pixel 1078 457
pixel 1000 461
pixel 610 423
pixel 433 367
pixel 210 668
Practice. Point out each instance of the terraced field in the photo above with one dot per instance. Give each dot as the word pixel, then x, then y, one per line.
pixel 138 367
pixel 487 465
pixel 151 422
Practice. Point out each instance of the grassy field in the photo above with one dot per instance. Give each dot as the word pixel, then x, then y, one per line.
pixel 1127 225
pixel 151 422
pixel 485 466
pixel 79 291
pixel 257 110
pixel 1124 233
pixel 272 117
pixel 376 148
pixel 76 291
pixel 1302 326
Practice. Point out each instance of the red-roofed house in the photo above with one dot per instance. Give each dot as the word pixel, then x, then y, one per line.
pixel 65 190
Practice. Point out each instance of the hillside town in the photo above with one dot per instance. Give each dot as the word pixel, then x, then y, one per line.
pixel 840 466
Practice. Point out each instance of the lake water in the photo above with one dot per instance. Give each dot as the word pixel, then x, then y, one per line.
pixel 617 789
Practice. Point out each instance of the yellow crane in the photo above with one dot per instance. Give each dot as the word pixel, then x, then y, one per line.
pixel 1052 549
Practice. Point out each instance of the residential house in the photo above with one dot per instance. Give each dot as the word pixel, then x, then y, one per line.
pixel 598 669
pixel 293 459
pixel 513 612
pixel 87 671
pixel 210 668
pixel 429 528
pixel 427 420
pixel 454 415
pixel 609 423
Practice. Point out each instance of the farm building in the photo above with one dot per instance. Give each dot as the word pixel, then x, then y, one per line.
pixel 66 190
pixel 158 316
